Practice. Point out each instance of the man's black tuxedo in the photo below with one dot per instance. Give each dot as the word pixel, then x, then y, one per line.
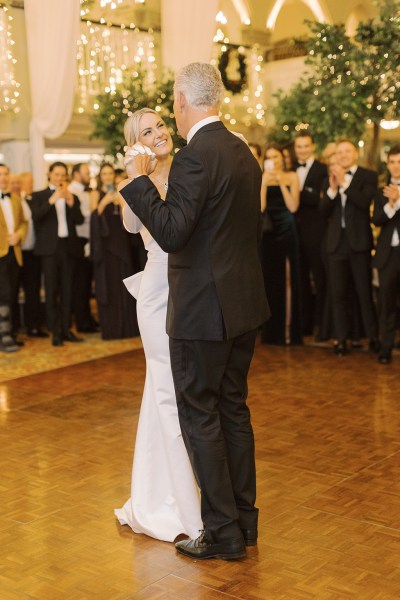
pixel 360 194
pixel 311 225
pixel 349 250
pixel 387 261
pixel 58 255
pixel 210 225
pixel 44 216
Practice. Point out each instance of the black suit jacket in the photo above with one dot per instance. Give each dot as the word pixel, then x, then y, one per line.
pixel 210 224
pixel 387 225
pixel 44 216
pixel 360 194
pixel 310 222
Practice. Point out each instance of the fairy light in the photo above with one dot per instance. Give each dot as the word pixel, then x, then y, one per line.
pixel 104 54
pixel 8 84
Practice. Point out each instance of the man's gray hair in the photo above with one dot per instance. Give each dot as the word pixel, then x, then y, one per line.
pixel 201 85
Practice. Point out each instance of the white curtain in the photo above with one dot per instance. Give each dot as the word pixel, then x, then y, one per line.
pixel 188 28
pixel 52 29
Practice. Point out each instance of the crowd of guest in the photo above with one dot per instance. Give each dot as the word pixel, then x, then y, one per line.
pixel 68 241
pixel 317 251
pixel 318 248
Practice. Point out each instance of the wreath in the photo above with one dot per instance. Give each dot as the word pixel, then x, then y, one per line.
pixel 233 85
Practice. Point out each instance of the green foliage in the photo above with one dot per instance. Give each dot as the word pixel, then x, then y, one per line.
pixel 353 81
pixel 129 96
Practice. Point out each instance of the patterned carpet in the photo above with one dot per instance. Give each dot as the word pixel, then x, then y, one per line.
pixel 38 355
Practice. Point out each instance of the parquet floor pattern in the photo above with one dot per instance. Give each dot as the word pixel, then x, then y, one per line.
pixel 328 461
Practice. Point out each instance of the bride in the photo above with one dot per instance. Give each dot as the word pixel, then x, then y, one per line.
pixel 164 500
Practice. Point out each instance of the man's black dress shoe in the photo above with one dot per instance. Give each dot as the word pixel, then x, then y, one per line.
pixel 71 337
pixel 37 333
pixel 250 537
pixel 57 341
pixel 341 348
pixel 374 345
pixel 385 358
pixel 205 547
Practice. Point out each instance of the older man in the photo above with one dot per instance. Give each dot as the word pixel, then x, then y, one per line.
pixel 210 224
pixel 13 227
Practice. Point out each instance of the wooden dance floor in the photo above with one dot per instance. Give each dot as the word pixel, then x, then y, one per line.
pixel 328 459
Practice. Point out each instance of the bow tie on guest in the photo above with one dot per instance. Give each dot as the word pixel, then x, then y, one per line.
pixel 3 196
pixel 349 173
pixel 87 188
pixel 301 164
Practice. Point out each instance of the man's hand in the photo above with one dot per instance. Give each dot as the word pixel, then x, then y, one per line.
pixel 339 174
pixel 139 160
pixel 392 193
pixel 14 239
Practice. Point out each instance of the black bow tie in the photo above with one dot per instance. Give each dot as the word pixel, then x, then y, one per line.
pixel 3 196
pixel 87 188
pixel 302 164
pixel 349 173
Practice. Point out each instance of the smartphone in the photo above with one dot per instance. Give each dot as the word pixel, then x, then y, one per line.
pixel 269 164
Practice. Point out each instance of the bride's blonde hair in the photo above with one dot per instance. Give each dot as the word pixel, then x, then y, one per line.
pixel 132 125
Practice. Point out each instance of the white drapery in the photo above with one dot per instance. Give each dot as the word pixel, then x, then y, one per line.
pixel 188 28
pixel 52 29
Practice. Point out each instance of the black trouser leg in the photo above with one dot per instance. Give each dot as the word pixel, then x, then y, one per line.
pixel 211 387
pixel 389 295
pixel 362 276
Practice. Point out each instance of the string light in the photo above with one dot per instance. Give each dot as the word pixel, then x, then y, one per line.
pixel 8 84
pixel 104 53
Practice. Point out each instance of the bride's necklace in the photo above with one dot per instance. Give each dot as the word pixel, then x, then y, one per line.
pixel 162 183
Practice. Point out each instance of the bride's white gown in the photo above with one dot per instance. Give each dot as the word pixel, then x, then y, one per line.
pixel 164 498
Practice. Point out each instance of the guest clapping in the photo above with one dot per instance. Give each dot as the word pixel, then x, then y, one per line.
pixel 387 257
pixel 112 257
pixel 280 251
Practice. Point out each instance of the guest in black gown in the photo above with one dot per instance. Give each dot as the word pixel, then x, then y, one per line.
pixel 112 257
pixel 280 250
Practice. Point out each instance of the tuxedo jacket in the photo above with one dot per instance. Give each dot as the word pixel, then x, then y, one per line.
pixel 360 193
pixel 387 225
pixel 44 217
pixel 210 224
pixel 20 226
pixel 310 222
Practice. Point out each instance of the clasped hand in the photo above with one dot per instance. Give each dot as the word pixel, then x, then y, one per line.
pixel 139 160
pixel 391 192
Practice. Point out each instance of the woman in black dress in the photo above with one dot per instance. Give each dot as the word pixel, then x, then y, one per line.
pixel 112 257
pixel 280 251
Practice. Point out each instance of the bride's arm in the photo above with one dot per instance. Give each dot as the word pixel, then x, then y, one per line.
pixel 130 220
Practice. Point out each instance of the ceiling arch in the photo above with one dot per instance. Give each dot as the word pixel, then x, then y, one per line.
pixel 318 8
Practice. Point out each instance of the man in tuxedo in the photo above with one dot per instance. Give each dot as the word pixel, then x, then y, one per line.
pixel 210 224
pixel 310 227
pixel 55 213
pixel 346 204
pixel 83 271
pixel 31 273
pixel 13 229
pixel 387 257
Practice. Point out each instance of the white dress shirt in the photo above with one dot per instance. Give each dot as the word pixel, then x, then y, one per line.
pixel 342 189
pixel 390 212
pixel 302 172
pixel 201 124
pixel 6 206
pixel 61 215
pixel 78 189
pixel 29 241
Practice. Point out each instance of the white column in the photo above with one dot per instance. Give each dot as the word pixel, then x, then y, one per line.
pixel 16 155
pixel 52 29
pixel 188 28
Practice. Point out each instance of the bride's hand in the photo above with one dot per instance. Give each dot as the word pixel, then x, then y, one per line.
pixel 139 160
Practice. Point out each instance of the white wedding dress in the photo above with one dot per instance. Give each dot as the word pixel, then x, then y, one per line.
pixel 164 498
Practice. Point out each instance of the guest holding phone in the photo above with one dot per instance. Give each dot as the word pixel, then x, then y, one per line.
pixel 280 250
pixel 55 213
pixel 112 258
